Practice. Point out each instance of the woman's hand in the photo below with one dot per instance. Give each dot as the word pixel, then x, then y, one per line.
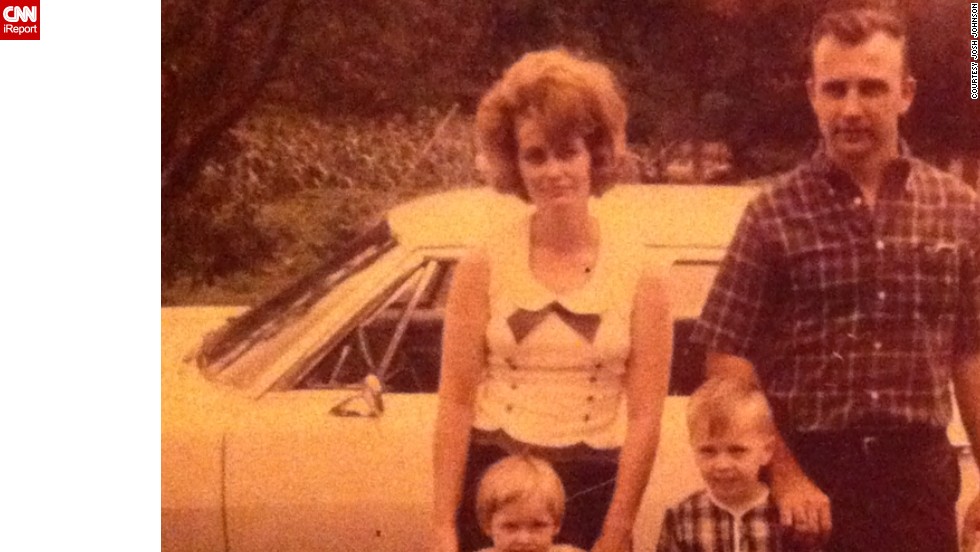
pixel 444 539
pixel 614 539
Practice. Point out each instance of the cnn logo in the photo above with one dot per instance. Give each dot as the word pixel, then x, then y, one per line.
pixel 21 20
pixel 20 14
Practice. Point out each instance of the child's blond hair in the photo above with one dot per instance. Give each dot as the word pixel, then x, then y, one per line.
pixel 517 478
pixel 723 402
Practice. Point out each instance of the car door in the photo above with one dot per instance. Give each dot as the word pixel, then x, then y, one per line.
pixel 302 478
pixel 312 466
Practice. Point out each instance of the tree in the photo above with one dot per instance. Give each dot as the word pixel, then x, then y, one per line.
pixel 218 58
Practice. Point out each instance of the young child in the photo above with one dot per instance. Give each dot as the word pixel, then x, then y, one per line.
pixel 520 503
pixel 731 431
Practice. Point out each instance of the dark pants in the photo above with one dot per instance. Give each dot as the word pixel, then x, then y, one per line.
pixel 588 486
pixel 890 491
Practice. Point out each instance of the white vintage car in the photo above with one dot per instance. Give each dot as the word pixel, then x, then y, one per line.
pixel 275 434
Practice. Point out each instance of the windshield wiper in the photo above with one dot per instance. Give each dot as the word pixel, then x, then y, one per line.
pixel 241 333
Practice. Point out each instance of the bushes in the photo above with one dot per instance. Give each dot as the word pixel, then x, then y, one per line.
pixel 286 188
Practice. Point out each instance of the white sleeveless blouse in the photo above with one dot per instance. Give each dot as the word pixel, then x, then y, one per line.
pixel 557 363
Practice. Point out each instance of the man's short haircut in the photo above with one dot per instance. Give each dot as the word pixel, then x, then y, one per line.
pixel 856 25
pixel 516 478
pixel 722 403
pixel 571 96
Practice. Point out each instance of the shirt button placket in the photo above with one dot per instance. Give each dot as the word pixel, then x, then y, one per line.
pixel 513 386
pixel 594 378
pixel 880 247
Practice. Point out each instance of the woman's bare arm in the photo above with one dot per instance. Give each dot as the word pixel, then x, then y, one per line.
pixel 463 364
pixel 647 377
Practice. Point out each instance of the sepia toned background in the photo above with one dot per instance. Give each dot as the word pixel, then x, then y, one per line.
pixel 289 125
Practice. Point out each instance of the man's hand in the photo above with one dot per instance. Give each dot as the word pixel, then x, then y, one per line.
pixel 804 510
pixel 970 535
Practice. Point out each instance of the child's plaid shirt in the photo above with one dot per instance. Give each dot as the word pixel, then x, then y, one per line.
pixel 701 524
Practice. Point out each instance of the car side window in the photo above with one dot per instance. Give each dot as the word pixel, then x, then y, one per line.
pixel 400 340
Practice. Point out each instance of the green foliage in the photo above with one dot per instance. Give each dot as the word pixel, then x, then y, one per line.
pixel 286 189
pixel 288 124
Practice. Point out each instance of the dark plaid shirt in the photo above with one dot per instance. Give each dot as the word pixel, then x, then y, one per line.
pixel 698 524
pixel 853 316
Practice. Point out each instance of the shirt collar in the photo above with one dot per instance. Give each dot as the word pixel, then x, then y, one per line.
pixel 761 500
pixel 529 294
pixel 896 176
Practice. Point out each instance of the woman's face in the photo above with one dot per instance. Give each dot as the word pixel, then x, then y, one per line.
pixel 555 174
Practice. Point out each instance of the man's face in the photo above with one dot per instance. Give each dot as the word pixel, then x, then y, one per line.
pixel 858 93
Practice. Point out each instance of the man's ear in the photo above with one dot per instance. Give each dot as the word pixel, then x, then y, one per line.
pixel 769 448
pixel 907 93
pixel 810 91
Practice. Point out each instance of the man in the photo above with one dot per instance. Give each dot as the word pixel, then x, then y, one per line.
pixel 850 292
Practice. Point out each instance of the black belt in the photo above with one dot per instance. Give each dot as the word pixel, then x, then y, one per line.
pixel 578 453
pixel 870 442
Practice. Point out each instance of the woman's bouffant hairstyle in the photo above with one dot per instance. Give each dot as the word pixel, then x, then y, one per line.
pixel 515 478
pixel 722 403
pixel 570 96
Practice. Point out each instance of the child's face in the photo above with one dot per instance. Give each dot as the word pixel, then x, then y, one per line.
pixel 730 461
pixel 524 525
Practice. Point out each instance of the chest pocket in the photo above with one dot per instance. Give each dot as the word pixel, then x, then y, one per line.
pixel 925 276
pixel 822 263
pixel 825 279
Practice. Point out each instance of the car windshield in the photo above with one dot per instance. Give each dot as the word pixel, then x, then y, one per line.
pixel 399 339
pixel 266 320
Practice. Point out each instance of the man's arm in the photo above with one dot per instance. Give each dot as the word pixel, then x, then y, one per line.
pixel 744 293
pixel 966 384
pixel 802 505
pixel 966 373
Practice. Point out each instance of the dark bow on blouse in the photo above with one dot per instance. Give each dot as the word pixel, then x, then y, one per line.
pixel 522 321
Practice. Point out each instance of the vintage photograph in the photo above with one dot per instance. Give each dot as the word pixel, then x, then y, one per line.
pixel 519 275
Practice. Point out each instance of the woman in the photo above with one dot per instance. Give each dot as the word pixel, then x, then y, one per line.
pixel 554 320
